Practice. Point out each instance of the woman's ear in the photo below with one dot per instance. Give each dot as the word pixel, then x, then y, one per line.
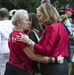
pixel 18 23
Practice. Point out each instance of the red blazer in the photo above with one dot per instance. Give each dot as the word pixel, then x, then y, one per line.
pixel 54 41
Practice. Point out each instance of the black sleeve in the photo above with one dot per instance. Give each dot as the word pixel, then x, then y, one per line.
pixel 32 36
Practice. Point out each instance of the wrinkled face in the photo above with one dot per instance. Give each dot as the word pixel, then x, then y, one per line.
pixel 25 23
pixel 40 16
pixel 69 13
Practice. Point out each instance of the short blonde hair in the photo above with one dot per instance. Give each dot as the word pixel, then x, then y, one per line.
pixel 19 16
pixel 50 13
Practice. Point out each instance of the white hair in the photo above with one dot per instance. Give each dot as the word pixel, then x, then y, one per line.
pixel 11 13
pixel 19 15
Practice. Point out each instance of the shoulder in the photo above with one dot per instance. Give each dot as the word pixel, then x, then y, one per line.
pixel 31 32
pixel 15 33
pixel 6 24
pixel 55 25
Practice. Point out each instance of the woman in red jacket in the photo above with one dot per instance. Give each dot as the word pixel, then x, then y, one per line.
pixel 54 40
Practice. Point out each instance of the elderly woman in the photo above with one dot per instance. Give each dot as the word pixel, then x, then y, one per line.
pixel 21 55
pixel 54 40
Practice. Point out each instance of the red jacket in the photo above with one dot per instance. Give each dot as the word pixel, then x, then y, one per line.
pixel 54 41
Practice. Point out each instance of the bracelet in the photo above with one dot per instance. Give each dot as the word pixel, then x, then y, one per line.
pixel 56 61
pixel 50 60
pixel 29 42
pixel 53 60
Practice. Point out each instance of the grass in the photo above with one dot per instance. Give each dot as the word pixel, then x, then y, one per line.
pixel 69 64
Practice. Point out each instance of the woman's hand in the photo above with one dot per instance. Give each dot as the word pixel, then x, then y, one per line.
pixel 60 59
pixel 23 38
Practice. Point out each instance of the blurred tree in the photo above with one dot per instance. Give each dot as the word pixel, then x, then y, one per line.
pixel 61 5
pixel 72 3
pixel 29 5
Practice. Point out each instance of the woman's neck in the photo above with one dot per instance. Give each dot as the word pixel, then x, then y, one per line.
pixel 21 30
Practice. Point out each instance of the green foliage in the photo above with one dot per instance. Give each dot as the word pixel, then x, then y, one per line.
pixel 29 5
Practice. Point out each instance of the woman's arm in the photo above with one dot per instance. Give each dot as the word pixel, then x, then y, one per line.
pixel 35 57
pixel 47 42
pixel 31 54
pixel 40 58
